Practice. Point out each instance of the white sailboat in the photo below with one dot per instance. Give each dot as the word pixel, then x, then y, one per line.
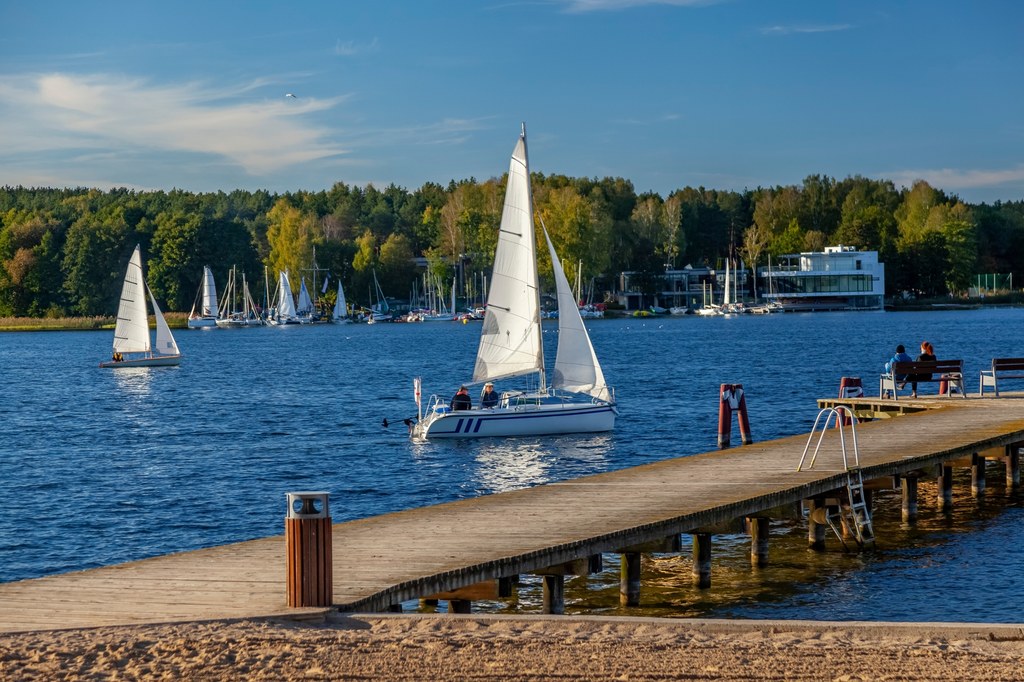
pixel 577 399
pixel 206 316
pixel 132 347
pixel 304 311
pixel 284 302
pixel 340 313
pixel 238 309
pixel 379 311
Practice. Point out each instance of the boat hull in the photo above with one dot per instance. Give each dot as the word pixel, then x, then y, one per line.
pixel 524 420
pixel 155 361
pixel 202 322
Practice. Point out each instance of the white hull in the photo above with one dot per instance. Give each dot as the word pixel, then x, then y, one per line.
pixel 523 420
pixel 153 361
pixel 202 322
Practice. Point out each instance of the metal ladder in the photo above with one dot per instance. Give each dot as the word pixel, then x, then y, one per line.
pixel 854 514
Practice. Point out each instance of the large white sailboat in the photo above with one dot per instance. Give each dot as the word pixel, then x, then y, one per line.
pixel 132 347
pixel 206 315
pixel 577 400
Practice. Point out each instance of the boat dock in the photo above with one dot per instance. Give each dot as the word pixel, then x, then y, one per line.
pixel 473 548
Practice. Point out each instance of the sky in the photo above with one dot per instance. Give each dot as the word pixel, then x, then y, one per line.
pixel 726 94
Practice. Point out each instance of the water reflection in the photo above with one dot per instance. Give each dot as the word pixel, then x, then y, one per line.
pixel 517 463
pixel 134 382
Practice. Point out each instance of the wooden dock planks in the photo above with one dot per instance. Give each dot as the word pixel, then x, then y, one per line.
pixel 388 559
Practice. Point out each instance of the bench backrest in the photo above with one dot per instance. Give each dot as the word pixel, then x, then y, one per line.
pixel 929 367
pixel 1008 364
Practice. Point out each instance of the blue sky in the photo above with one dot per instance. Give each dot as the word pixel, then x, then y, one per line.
pixel 728 94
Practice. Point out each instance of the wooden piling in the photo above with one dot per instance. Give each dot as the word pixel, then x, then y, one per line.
pixel 629 579
pixel 977 475
pixel 945 492
pixel 758 541
pixel 702 560
pixel 732 399
pixel 1012 461
pixel 460 606
pixel 554 594
pixel 909 488
pixel 816 526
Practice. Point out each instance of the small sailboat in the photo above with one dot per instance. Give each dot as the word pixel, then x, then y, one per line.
pixel 577 400
pixel 132 347
pixel 340 313
pixel 304 310
pixel 379 311
pixel 284 302
pixel 238 309
pixel 206 300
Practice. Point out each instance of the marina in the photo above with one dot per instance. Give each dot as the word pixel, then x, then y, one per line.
pixel 132 470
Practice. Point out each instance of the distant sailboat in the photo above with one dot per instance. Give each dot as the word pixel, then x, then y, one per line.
pixel 132 346
pixel 340 313
pixel 304 310
pixel 238 309
pixel 206 316
pixel 379 311
pixel 577 400
pixel 285 303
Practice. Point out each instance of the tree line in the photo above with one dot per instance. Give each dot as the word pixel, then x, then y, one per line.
pixel 63 251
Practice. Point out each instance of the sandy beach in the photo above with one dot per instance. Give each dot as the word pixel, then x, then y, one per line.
pixel 446 647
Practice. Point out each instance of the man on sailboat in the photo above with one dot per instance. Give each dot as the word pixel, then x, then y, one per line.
pixel 461 400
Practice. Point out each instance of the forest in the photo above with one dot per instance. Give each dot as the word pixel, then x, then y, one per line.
pixel 63 251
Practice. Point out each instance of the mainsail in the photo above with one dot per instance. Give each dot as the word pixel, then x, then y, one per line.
pixel 209 308
pixel 576 366
pixel 285 302
pixel 510 341
pixel 340 307
pixel 131 333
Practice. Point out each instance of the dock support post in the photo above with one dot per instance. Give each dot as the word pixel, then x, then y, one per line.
pixel 1012 460
pixel 702 560
pixel 758 541
pixel 909 486
pixel 460 606
pixel 945 483
pixel 554 594
pixel 629 579
pixel 816 526
pixel 977 475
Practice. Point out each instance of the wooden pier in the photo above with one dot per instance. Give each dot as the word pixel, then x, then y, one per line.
pixel 455 550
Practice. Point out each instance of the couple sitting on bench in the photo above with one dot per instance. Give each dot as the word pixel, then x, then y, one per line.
pixel 902 369
pixel 927 355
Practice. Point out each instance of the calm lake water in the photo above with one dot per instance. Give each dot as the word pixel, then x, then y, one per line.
pixel 100 467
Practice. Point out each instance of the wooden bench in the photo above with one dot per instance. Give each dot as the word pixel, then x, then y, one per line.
pixel 949 371
pixel 1002 368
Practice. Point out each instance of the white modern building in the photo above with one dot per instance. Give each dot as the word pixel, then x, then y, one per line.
pixel 839 278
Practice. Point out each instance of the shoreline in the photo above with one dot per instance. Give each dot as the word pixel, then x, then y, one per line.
pixel 506 647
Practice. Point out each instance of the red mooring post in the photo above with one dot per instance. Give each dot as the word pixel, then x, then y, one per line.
pixel 731 399
pixel 849 387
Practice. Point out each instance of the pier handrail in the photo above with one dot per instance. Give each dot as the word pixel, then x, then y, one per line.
pixel 841 414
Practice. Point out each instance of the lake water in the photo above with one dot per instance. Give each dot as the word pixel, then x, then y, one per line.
pixel 99 467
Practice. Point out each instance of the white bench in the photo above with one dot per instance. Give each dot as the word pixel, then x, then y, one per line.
pixel 1002 368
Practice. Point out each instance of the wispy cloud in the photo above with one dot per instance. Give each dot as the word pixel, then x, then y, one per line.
pixel 805 28
pixel 349 48
pixel 583 6
pixel 61 113
pixel 958 179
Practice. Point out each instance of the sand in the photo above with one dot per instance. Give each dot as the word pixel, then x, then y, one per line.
pixel 449 647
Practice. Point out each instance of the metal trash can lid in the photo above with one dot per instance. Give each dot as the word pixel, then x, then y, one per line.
pixel 308 505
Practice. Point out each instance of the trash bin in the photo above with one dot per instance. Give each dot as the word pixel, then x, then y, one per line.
pixel 307 532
